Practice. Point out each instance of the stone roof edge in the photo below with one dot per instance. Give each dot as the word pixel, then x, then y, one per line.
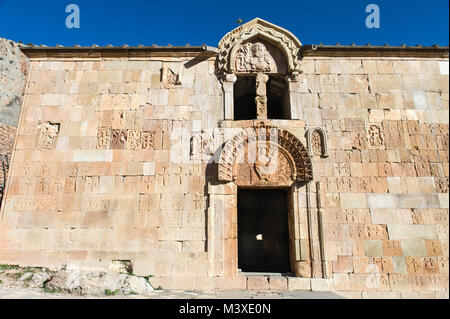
pixel 34 51
pixel 375 51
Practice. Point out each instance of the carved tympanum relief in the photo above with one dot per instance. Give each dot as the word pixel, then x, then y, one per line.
pixel 264 156
pixel 254 57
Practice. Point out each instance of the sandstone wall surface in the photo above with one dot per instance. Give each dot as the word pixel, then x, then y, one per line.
pixel 106 167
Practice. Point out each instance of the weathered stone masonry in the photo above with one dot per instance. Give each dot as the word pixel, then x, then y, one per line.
pixel 132 154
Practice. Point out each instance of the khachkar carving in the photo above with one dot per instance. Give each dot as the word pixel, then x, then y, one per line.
pixel 125 139
pixel 374 135
pixel 48 135
pixel 254 57
pixel 201 146
pixel 148 140
pixel 169 78
pixel 261 98
pixel 104 138
pixel 236 53
pixel 134 140
pixel 264 156
pixel 316 141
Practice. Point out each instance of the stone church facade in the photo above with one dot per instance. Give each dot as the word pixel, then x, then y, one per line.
pixel 260 164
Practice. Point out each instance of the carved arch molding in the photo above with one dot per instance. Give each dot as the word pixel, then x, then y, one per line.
pixel 264 156
pixel 253 30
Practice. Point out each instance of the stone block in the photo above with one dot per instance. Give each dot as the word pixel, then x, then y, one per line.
pixel 278 283
pixel 414 247
pixel 399 263
pixel 297 283
pixel 340 282
pixel 373 248
pixel 257 283
pixel 343 264
pixel 353 200
pixel 412 232
pixel 320 284
pixel 382 201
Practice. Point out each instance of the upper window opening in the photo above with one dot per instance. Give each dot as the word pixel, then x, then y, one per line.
pixel 244 98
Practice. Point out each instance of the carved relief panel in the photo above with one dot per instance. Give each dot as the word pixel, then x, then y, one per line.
pixel 201 146
pixel 169 78
pixel 374 135
pixel 48 135
pixel 108 138
pixel 258 56
pixel 264 156
pixel 264 165
pixel 316 140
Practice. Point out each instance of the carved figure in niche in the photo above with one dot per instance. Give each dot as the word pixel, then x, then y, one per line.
pixel 254 57
pixel 168 77
pixel 265 164
pixel 195 143
pixel 374 135
pixel 47 135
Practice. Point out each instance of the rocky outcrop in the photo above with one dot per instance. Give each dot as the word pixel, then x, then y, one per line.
pixel 14 68
pixel 74 281
pixel 97 283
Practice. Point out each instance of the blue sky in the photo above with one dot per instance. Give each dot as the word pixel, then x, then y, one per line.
pixel 196 22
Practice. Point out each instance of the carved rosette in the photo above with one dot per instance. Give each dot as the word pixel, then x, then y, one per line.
pixel 264 156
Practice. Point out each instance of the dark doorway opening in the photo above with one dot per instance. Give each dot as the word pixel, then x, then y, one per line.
pixel 263 235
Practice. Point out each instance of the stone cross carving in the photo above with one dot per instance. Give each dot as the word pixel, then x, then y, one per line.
pixel 316 141
pixel 261 96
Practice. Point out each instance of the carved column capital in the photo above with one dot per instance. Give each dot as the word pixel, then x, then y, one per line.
pixel 293 77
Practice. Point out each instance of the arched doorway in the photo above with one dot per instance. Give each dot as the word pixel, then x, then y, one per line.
pixel 262 163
